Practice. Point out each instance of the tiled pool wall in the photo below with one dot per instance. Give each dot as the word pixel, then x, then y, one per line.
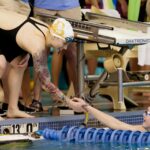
pixel 134 117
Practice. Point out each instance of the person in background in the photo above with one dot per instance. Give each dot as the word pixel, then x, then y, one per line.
pixel 122 7
pixel 16 45
pixel 91 62
pixel 110 121
pixel 135 13
pixel 143 61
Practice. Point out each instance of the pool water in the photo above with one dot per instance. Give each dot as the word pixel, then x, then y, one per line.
pixel 56 145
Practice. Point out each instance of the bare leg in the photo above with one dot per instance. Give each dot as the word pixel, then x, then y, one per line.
pixel 5 84
pixel 133 64
pixel 15 76
pixel 1 94
pixel 3 66
pixel 56 67
pixel 92 64
pixel 71 56
pixel 5 88
pixel 26 93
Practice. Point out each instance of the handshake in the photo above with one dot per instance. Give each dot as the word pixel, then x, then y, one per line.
pixel 77 104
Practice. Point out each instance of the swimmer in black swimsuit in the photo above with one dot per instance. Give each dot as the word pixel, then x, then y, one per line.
pixel 10 36
pixel 21 36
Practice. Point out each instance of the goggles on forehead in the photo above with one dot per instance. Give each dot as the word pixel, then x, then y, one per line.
pixel 146 113
pixel 69 39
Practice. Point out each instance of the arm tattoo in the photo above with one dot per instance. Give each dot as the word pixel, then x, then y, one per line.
pixel 41 68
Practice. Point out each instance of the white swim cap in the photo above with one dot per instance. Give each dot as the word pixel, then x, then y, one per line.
pixel 62 29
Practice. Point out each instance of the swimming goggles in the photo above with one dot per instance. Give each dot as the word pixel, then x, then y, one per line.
pixel 146 113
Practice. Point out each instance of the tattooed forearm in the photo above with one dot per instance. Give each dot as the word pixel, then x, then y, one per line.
pixel 41 68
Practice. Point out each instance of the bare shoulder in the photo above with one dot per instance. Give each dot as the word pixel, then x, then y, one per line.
pixel 30 40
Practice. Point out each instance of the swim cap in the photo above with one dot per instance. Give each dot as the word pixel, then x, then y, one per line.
pixel 62 29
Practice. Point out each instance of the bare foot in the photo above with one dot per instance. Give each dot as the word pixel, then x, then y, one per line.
pixel 1 118
pixel 18 114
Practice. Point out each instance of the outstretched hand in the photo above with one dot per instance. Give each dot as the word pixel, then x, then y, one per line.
pixel 76 104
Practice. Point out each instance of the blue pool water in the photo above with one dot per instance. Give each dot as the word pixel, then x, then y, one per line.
pixel 55 145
